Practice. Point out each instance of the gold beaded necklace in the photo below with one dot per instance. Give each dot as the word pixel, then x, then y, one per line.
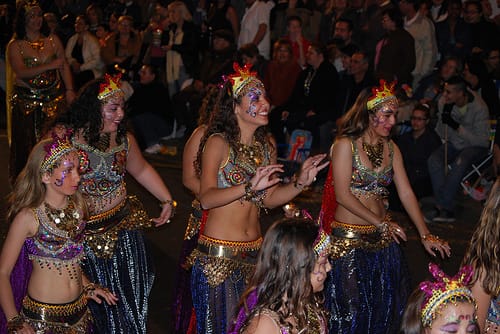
pixel 374 152
pixel 37 44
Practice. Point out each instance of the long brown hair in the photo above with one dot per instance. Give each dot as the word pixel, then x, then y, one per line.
pixel 357 119
pixel 483 253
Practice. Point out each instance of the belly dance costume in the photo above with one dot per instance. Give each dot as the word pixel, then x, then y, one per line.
pixel 116 254
pixel 222 268
pixel 32 106
pixel 58 245
pixel 367 289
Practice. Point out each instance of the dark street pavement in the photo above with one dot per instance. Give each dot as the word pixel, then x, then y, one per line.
pixel 166 241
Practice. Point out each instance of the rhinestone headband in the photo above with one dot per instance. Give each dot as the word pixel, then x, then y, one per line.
pixel 382 96
pixel 444 290
pixel 241 79
pixel 110 86
pixel 55 150
pixel 322 243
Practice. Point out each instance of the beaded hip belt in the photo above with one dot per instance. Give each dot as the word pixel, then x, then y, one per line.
pixel 49 100
pixel 346 237
pixel 102 230
pixel 67 314
pixel 220 258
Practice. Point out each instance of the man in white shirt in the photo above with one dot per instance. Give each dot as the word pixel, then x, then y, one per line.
pixel 255 26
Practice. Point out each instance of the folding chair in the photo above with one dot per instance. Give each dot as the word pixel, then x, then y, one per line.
pixel 295 152
pixel 478 187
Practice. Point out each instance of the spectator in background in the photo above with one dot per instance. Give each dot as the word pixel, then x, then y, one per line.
pixel 221 15
pixel 476 75
pixel 373 30
pixel 397 44
pixel 453 34
pixel 424 36
pixel 429 89
pixel 334 10
pixel 56 27
pixel 416 146
pixel 485 34
pixel 122 48
pixel 255 26
pixel 83 54
pixel 102 32
pixel 281 75
pixel 95 17
pixel 463 125
pixel 249 54
pixel 299 43
pixel 438 10
pixel 311 105
pixel 133 9
pixel 149 109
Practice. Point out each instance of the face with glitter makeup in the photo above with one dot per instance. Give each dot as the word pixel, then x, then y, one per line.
pixel 66 177
pixel 255 104
pixel 112 113
pixel 318 276
pixel 459 318
pixel 383 120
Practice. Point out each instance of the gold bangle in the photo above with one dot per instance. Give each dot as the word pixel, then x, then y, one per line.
pixel 15 323
pixel 431 238
pixel 170 202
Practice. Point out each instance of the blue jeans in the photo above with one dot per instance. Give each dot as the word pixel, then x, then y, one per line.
pixel 446 186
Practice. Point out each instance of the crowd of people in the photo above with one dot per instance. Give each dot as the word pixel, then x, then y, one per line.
pixel 399 97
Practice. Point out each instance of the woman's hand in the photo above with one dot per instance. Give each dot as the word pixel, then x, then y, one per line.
pixel 97 293
pixel 395 231
pixel 433 244
pixel 264 177
pixel 19 326
pixel 167 212
pixel 310 169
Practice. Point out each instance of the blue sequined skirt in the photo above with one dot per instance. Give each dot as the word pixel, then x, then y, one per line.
pixel 367 289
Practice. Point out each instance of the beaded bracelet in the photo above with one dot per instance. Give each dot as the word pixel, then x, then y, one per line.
pixel 249 192
pixel 431 238
pixel 15 323
pixel 170 202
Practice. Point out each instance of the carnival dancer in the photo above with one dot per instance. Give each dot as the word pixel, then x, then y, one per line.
pixel 285 293
pixel 367 289
pixel 39 82
pixel 42 287
pixel 117 255
pixel 442 305
pixel 482 255
pixel 236 164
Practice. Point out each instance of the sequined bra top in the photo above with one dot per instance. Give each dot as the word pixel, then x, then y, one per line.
pixel 367 182
pixel 57 242
pixel 45 80
pixel 103 174
pixel 238 171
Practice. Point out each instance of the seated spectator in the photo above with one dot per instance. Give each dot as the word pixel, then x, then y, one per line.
pixel 281 75
pixel 485 34
pixel 95 17
pixel 249 54
pixel 83 54
pixel 299 43
pixel 463 125
pixel 346 53
pixel 216 62
pixel 358 77
pixel 311 105
pixel 476 75
pixel 443 303
pixel 122 48
pixel 416 146
pixel 102 32
pixel 395 52
pixel 453 35
pixel 148 109
pixel 429 89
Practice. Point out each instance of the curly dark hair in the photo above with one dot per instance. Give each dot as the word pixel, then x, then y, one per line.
pixel 85 113
pixel 20 22
pixel 223 121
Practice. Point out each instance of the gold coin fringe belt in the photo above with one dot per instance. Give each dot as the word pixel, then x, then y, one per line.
pixel 346 237
pixel 73 317
pixel 220 258
pixel 102 230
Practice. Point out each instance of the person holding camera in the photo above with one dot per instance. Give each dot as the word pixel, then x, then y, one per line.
pixel 463 125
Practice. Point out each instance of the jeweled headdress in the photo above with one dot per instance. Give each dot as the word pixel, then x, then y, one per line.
pixel 55 150
pixel 383 96
pixel 110 86
pixel 241 79
pixel 444 290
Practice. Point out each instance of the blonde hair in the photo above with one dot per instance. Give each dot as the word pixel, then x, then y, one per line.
pixel 29 190
pixel 483 253
pixel 186 15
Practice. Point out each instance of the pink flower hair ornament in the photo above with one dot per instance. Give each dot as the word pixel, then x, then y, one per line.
pixel 444 290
